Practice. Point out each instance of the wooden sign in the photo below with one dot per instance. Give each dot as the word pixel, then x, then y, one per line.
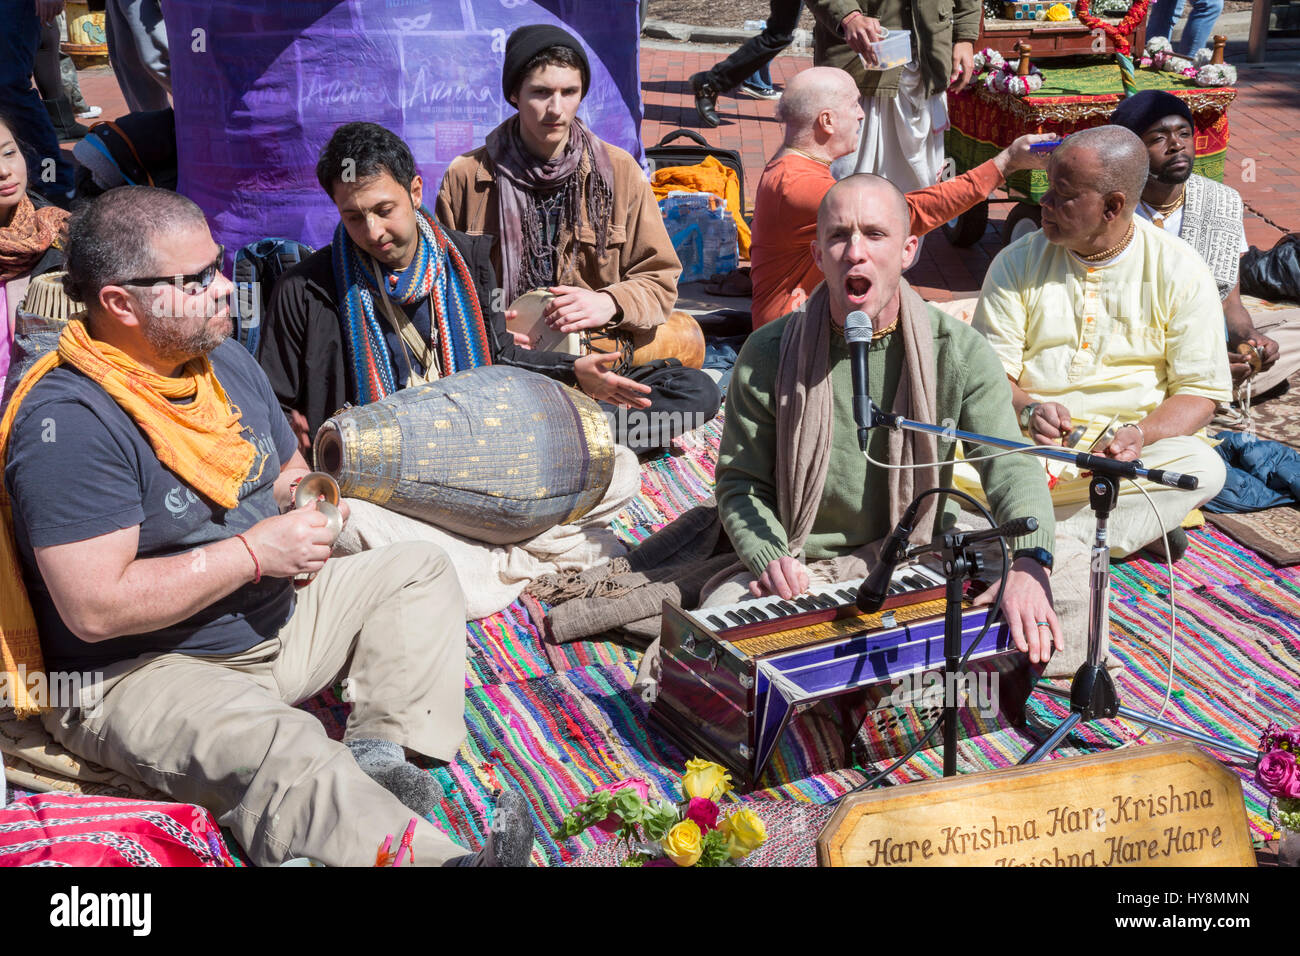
pixel 1161 805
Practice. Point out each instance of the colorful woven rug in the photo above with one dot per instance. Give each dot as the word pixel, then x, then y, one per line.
pixel 556 735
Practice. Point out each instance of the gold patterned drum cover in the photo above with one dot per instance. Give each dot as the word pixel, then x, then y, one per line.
pixel 497 454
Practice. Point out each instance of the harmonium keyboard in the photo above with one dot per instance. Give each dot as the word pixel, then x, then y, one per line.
pixel 735 676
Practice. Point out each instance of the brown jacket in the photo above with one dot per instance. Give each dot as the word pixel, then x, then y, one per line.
pixel 640 268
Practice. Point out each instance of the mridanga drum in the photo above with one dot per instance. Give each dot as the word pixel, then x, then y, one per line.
pixel 497 454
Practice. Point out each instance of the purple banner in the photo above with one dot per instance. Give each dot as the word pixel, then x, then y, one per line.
pixel 259 88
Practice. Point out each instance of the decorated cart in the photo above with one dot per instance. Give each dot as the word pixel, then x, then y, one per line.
pixel 1090 64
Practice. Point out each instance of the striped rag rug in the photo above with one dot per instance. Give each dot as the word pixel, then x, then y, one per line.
pixel 555 734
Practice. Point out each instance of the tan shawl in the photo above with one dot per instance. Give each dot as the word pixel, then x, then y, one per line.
pixel 804 412
pixel 627 594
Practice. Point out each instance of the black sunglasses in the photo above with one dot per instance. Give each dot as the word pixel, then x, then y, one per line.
pixel 191 284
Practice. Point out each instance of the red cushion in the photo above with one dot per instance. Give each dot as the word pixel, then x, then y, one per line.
pixel 73 829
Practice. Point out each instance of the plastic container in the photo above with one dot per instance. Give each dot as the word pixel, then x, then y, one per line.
pixel 893 51
pixel 703 234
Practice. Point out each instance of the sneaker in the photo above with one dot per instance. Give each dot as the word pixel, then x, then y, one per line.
pixel 762 92
pixel 91 112
pixel 706 100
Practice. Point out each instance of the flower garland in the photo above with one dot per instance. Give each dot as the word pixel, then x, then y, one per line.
pixel 1119 34
pixel 1002 76
pixel 1200 70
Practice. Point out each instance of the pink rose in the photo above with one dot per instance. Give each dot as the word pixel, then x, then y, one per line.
pixel 1276 773
pixel 704 812
pixel 611 823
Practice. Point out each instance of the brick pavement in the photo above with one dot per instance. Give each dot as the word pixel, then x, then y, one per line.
pixel 1265 144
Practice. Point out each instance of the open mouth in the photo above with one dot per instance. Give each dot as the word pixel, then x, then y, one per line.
pixel 857 288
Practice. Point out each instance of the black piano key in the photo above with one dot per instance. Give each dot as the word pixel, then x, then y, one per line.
pixel 914 581
pixel 806 603
pixel 736 617
pixel 847 595
pixel 787 607
pixel 754 614
pixel 827 601
pixel 717 621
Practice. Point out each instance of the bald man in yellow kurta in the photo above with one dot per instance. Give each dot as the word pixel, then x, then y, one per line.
pixel 1098 315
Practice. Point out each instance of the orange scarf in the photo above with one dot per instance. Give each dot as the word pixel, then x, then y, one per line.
pixel 201 442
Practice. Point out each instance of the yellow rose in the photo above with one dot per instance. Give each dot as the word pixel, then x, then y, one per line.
pixel 745 832
pixel 705 779
pixel 1058 12
pixel 682 844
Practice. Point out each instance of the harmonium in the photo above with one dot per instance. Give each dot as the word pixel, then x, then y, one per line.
pixel 736 678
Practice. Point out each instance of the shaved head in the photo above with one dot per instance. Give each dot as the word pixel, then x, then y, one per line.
pixel 1119 160
pixel 822 113
pixel 810 92
pixel 884 192
pixel 863 244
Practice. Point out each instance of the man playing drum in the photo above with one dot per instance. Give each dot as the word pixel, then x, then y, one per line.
pixel 572 214
pixel 148 464
pixel 395 299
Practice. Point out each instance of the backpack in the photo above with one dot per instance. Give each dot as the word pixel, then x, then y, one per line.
pixel 258 266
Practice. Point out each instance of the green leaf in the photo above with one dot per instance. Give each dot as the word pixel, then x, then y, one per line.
pixel 714 849
pixel 659 818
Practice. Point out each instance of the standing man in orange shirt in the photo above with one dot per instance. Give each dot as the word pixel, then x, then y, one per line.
pixel 823 117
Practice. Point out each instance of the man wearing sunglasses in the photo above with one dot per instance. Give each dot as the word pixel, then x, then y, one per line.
pixel 150 477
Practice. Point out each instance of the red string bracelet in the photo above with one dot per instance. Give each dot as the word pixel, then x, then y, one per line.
pixel 257 568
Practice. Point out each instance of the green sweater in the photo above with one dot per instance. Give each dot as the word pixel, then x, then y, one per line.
pixel 972 393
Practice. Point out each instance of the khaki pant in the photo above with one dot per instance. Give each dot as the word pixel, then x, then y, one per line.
pixel 221 732
pixel 1133 524
pixel 1282 327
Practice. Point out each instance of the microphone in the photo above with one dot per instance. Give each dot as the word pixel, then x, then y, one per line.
pixel 858 332
pixel 874 590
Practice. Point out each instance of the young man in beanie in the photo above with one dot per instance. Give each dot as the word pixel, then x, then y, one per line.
pixel 576 216
pixel 1208 216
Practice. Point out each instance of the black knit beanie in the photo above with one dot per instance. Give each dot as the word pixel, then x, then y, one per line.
pixel 526 42
pixel 1143 110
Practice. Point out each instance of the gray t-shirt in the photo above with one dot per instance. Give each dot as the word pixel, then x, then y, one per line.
pixel 79 467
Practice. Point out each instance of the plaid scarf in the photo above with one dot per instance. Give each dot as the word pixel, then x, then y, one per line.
pixel 30 232
pixel 456 317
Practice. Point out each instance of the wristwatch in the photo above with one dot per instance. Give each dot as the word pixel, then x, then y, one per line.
pixel 1041 555
pixel 1027 415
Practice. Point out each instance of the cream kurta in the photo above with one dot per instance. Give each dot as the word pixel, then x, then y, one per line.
pixel 1113 339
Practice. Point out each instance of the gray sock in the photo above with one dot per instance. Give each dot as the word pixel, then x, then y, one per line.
pixel 373 755
pixel 385 763
pixel 509 841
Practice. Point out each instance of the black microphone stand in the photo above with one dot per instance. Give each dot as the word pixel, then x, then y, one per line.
pixel 1092 693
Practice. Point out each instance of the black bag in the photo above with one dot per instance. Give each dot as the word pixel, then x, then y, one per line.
pixel 257 268
pixel 1274 274
pixel 684 154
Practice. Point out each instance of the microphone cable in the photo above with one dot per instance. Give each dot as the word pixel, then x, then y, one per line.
pixel 975 642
